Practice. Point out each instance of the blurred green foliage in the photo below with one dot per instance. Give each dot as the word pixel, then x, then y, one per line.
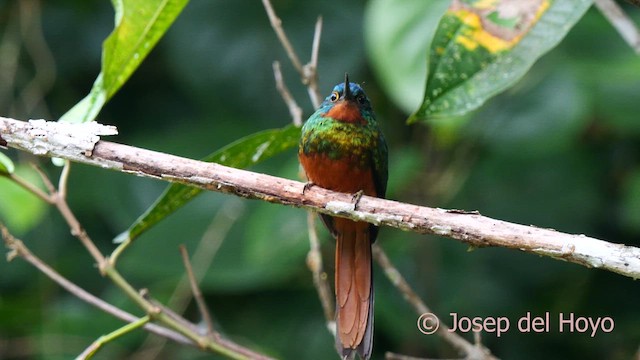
pixel 560 149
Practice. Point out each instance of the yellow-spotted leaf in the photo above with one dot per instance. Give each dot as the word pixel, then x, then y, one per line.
pixel 482 47
pixel 139 24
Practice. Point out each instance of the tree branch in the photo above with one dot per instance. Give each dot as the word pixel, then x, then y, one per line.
pixel 471 228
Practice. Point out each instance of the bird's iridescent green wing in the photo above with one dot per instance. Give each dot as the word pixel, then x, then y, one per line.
pixel 380 166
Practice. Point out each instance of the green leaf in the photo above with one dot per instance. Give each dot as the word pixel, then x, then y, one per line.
pixel 20 209
pixel 397 37
pixel 242 153
pixel 6 165
pixel 478 52
pixel 138 27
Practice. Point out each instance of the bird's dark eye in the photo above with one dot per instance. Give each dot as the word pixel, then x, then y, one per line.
pixel 361 99
pixel 334 96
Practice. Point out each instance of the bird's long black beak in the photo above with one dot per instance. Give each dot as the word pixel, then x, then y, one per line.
pixel 347 89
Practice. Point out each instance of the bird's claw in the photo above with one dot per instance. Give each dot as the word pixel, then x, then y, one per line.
pixel 308 186
pixel 356 198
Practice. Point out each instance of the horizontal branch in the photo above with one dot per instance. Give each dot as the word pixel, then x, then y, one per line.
pixel 471 228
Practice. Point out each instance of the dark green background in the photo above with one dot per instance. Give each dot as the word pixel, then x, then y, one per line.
pixel 560 149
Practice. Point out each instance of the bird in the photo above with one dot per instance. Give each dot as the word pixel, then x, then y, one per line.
pixel 343 149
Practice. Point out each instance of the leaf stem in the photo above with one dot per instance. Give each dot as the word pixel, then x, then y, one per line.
pixel 102 340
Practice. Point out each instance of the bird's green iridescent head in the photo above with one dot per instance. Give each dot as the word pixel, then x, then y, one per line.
pixel 347 102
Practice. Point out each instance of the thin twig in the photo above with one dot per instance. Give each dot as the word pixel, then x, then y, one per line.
pixel 64 179
pixel 311 69
pixel 195 289
pixel 18 248
pixel 320 278
pixel 294 109
pixel 621 21
pixel 104 339
pixel 161 308
pixel 276 24
pixel 31 188
pixel 206 250
pixel 58 199
pixel 214 342
pixel 45 181
pixel 174 321
pixel 308 72
pixel 78 231
pixel 459 343
pixel 315 49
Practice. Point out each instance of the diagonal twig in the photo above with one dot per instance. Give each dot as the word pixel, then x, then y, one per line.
pixel 195 289
pixel 458 342
pixel 19 249
pixel 30 188
pixel 294 110
pixel 102 340
pixel 320 278
pixel 276 24
pixel 206 250
pixel 58 199
pixel 311 69
pixel 621 21
pixel 308 72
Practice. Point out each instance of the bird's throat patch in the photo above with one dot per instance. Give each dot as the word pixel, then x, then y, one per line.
pixel 346 112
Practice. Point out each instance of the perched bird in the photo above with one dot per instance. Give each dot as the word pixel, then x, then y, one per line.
pixel 343 149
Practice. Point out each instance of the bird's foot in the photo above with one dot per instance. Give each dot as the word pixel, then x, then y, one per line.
pixel 308 186
pixel 356 199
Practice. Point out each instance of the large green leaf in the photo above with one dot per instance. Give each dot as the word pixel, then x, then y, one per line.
pixel 138 27
pixel 482 47
pixel 242 153
pixel 397 37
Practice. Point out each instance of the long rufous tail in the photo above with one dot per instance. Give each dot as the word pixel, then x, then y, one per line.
pixel 354 289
